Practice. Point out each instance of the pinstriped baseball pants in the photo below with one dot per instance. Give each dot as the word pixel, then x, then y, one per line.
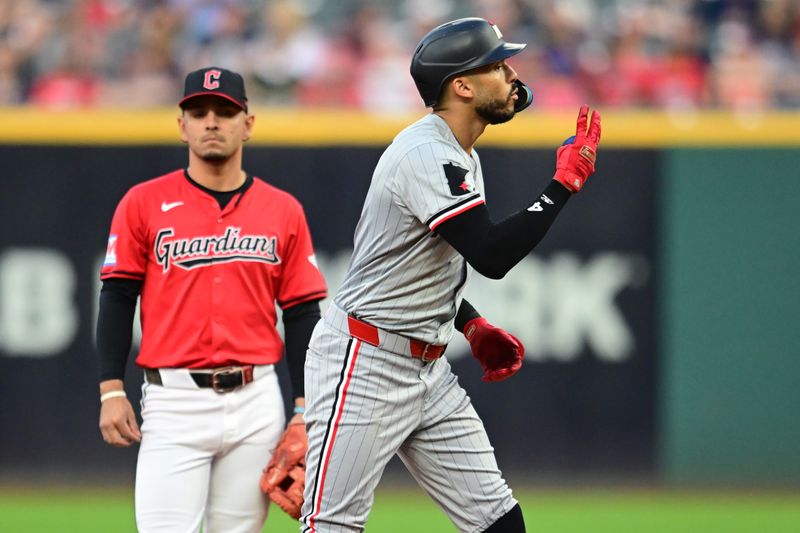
pixel 365 404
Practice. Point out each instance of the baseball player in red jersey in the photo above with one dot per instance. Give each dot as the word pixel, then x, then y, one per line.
pixel 210 248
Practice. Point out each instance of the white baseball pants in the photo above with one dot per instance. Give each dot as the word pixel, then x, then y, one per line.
pixel 202 452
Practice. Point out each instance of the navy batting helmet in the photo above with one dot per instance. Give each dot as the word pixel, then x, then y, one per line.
pixel 454 48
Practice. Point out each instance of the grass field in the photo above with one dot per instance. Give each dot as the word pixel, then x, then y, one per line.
pixel 409 511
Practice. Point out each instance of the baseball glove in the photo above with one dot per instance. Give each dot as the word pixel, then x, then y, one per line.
pixel 284 478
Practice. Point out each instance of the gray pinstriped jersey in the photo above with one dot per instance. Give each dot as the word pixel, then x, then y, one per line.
pixel 402 276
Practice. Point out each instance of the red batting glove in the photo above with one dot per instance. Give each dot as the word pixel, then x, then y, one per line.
pixel 575 159
pixel 499 352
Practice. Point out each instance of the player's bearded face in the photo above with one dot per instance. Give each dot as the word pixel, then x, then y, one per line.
pixel 494 93
pixel 496 110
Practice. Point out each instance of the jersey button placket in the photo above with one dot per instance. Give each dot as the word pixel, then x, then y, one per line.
pixel 217 296
pixel 217 293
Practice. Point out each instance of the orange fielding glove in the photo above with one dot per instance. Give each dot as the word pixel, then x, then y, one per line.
pixel 284 477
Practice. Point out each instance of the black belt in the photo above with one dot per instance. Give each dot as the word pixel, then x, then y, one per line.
pixel 223 379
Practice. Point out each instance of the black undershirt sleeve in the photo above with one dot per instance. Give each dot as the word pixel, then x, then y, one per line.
pixel 465 313
pixel 115 325
pixel 494 248
pixel 298 324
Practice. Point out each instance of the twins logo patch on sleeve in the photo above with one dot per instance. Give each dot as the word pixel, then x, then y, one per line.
pixel 457 179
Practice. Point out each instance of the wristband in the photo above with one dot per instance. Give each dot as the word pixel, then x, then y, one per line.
pixel 112 394
pixel 299 410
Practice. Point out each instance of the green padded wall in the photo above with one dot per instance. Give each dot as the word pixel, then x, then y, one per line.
pixel 730 380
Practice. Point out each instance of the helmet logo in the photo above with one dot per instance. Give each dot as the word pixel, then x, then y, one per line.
pixel 497 31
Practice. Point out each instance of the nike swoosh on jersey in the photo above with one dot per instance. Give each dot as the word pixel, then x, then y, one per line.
pixel 167 206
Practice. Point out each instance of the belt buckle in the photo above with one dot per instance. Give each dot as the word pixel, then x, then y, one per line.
pixel 424 355
pixel 225 371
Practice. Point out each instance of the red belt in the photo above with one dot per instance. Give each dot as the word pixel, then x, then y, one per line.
pixel 369 334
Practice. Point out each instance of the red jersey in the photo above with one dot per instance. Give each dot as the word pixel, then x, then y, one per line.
pixel 211 276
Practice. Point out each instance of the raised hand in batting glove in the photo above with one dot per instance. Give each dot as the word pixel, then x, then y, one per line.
pixel 499 352
pixel 575 159
pixel 284 478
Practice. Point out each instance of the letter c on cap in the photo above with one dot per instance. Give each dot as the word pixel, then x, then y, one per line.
pixel 211 80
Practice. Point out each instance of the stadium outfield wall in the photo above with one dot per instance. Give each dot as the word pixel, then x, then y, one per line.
pixel 657 314
pixel 315 127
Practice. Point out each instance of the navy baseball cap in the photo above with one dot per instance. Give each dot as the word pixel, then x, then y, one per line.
pixel 214 81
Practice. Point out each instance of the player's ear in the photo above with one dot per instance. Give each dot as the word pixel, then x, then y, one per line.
pixel 463 86
pixel 248 127
pixel 182 128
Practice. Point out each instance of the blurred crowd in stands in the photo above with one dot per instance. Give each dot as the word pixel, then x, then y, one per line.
pixel 634 54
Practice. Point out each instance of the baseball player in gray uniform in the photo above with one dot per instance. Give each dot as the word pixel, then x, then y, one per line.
pixel 375 380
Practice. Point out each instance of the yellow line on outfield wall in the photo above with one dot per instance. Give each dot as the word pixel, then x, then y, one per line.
pixel 305 127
